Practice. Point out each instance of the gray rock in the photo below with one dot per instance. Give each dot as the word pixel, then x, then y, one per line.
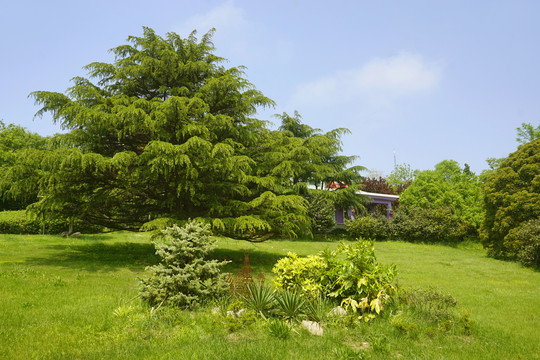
pixel 337 311
pixel 241 312
pixel 313 327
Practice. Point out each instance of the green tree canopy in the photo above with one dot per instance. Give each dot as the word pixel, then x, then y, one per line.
pixel 21 152
pixel 167 131
pixel 527 133
pixel 512 198
pixel 401 177
pixel 448 185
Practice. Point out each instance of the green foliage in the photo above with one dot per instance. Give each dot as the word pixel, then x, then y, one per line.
pixel 358 280
pixel 279 329
pixel 317 309
pixel 429 225
pixel 16 222
pixel 401 177
pixel 304 154
pixel 303 274
pixel 525 242
pixel 349 274
pixel 167 131
pixel 20 222
pixel 184 278
pixel 527 133
pixel 431 312
pixel 14 138
pixel 290 305
pixel 322 211
pixel 160 224
pixel 431 303
pixel 21 152
pixel 512 198
pixel 260 298
pixel 369 227
pixel 448 186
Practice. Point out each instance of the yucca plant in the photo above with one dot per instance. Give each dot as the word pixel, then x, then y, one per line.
pixel 317 309
pixel 290 305
pixel 260 298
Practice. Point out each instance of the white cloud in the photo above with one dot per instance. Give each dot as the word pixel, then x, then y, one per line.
pixel 225 18
pixel 378 81
pixel 404 74
pixel 235 33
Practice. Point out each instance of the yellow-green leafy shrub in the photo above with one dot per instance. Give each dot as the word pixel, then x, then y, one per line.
pixel 350 274
pixel 304 274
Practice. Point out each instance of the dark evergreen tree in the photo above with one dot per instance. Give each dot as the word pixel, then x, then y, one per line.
pixel 167 131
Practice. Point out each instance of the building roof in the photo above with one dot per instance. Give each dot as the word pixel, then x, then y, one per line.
pixel 378 196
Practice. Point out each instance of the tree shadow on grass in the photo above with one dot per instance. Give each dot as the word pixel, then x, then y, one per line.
pixel 99 257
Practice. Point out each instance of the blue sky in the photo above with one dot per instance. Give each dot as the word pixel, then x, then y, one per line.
pixel 433 80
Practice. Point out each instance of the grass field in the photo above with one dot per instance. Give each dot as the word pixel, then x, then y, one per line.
pixel 76 299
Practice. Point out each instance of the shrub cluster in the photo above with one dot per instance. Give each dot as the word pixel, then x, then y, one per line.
pixel 350 274
pixel 368 227
pixel 511 200
pixel 524 243
pixel 428 224
pixel 303 274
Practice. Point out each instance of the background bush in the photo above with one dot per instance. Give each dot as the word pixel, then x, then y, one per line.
pixel 427 224
pixel 368 227
pixel 511 199
pixel 525 243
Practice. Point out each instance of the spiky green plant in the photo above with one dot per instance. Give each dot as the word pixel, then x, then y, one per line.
pixel 260 298
pixel 317 309
pixel 279 329
pixel 290 305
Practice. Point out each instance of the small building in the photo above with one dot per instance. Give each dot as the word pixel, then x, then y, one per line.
pixel 375 198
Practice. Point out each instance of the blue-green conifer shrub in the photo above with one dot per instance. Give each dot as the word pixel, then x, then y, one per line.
pixel 185 277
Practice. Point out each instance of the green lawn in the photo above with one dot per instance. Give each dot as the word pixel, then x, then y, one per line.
pixel 74 299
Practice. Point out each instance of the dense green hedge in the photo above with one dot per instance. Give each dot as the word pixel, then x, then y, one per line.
pixel 427 225
pixel 18 222
pixel 369 227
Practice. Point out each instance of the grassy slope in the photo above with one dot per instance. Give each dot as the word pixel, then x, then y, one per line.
pixel 503 297
pixel 58 297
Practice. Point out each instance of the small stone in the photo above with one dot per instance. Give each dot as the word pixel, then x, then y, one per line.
pixel 365 345
pixel 313 327
pixel 241 312
pixel 231 313
pixel 338 311
pixel 215 311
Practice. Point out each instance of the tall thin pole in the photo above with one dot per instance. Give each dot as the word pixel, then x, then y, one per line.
pixel 395 163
